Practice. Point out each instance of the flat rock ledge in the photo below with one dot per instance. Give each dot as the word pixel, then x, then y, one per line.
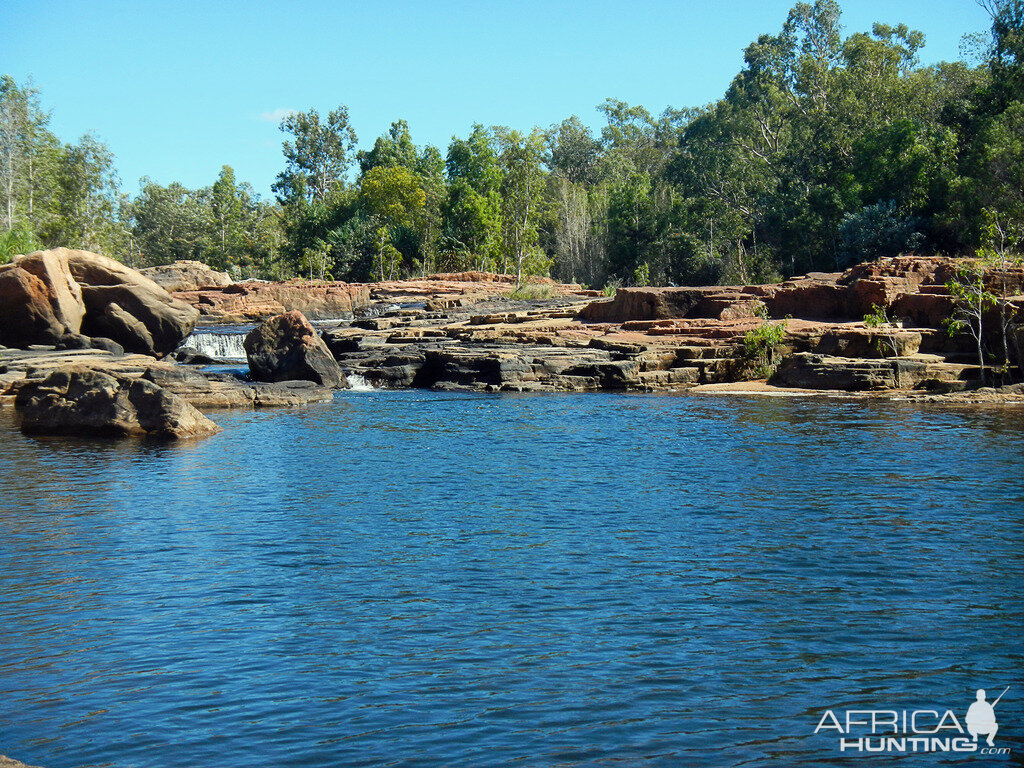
pixel 204 391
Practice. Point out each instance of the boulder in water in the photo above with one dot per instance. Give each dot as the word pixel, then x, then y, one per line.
pixel 165 320
pixel 287 347
pixel 82 401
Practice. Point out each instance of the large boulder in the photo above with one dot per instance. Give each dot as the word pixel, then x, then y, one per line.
pixel 26 314
pixel 166 320
pixel 287 347
pixel 82 401
pixel 186 275
pixel 65 295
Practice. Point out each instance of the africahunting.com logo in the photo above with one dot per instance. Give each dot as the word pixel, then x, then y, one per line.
pixel 918 730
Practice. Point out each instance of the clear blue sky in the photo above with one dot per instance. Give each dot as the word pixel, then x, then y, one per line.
pixel 179 88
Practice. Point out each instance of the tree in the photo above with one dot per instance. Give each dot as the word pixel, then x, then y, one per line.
pixel 521 189
pixel 394 196
pixel 318 155
pixel 88 196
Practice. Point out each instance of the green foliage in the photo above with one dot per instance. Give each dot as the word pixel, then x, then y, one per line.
pixel 972 300
pixel 877 231
pixel 18 241
pixel 642 275
pixel 878 319
pixel 531 292
pixel 761 348
pixel 826 149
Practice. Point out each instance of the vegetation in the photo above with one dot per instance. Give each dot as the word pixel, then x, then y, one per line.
pixel 761 348
pixel 823 152
pixel 878 319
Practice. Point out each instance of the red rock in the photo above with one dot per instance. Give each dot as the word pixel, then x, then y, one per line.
pixel 26 311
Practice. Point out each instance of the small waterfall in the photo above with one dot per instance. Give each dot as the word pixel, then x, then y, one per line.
pixel 358 384
pixel 220 346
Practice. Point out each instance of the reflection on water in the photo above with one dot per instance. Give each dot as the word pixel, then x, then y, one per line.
pixel 426 579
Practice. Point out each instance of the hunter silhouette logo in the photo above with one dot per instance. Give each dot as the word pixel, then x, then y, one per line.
pixel 981 717
pixel 917 730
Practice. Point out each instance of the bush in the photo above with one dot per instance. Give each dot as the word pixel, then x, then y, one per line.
pixel 19 240
pixel 760 349
pixel 876 231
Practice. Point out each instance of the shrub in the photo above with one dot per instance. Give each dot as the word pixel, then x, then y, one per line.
pixel 761 347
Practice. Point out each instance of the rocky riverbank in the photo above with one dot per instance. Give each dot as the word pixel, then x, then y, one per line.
pixel 478 332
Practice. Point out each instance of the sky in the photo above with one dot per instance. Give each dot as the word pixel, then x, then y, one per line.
pixel 179 88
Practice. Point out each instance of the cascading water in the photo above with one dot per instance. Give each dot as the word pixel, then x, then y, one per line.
pixel 219 345
pixel 358 384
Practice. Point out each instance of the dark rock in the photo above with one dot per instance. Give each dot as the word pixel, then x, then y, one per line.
pixel 83 401
pixel 112 322
pixel 226 391
pixel 73 341
pixel 109 345
pixel 287 347
pixel 192 356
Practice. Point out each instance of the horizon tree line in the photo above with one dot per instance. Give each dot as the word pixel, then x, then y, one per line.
pixel 825 150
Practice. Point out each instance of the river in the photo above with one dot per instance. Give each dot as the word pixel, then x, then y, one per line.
pixel 428 579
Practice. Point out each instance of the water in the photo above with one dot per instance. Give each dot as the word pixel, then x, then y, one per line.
pixel 420 579
pixel 221 342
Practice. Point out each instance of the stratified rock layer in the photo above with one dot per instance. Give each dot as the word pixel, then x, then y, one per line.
pixel 186 275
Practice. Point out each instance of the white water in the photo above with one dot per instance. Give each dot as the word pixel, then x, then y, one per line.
pixel 358 384
pixel 221 346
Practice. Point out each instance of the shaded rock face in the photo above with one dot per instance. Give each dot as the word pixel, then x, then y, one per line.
pixel 186 275
pixel 26 315
pixel 287 347
pixel 83 401
pixel 146 318
pixel 39 300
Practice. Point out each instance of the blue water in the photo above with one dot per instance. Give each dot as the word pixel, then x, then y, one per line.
pixel 421 579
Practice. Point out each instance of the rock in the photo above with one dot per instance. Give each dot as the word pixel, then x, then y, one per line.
pixel 646 304
pixel 192 356
pixel 287 347
pixel 78 341
pixel 73 341
pixel 84 401
pixel 116 323
pixel 186 275
pixel 816 296
pixel 6 762
pixel 52 268
pixel 26 313
pixel 108 345
pixel 226 391
pixel 254 300
pixel 167 321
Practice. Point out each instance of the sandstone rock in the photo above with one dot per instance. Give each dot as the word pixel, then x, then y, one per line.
pixel 255 300
pixel 116 323
pixel 186 275
pixel 167 321
pixel 816 296
pixel 287 347
pixel 225 391
pixel 646 304
pixel 51 267
pixel 26 313
pixel 83 401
